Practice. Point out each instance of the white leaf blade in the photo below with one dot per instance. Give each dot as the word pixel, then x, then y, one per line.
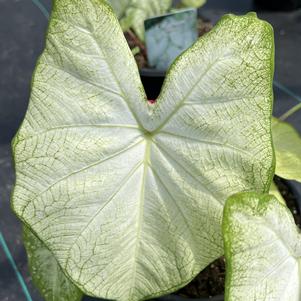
pixel 90 171
pixel 262 247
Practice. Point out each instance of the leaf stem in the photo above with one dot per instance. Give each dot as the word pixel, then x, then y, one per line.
pixel 137 41
pixel 290 112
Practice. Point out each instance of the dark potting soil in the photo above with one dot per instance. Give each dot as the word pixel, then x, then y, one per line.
pixel 141 57
pixel 210 282
pixel 290 199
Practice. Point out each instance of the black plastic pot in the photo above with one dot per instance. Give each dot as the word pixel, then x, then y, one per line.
pixel 295 187
pixel 152 80
pixel 179 298
pixel 278 4
pixel 170 298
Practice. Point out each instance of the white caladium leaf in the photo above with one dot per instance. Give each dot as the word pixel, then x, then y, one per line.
pixel 287 144
pixel 126 194
pixel 262 248
pixel 46 273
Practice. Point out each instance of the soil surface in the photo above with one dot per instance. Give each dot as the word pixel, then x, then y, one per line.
pixel 210 282
pixel 138 46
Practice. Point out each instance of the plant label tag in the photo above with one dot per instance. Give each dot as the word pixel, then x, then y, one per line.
pixel 167 36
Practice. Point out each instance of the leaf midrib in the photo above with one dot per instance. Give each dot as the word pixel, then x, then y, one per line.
pixel 146 163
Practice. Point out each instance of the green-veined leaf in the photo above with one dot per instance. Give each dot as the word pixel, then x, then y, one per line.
pixel 263 249
pixel 46 273
pixel 193 3
pixel 129 195
pixel 287 145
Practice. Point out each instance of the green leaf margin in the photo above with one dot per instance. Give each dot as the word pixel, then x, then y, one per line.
pixel 34 250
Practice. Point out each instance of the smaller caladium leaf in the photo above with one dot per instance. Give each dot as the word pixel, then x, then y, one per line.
pixel 46 273
pixel 119 6
pixel 139 10
pixel 193 3
pixel 276 193
pixel 287 144
pixel 262 249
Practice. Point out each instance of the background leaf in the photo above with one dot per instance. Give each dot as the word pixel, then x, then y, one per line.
pixel 287 144
pixel 262 247
pixel 193 3
pixel 46 273
pixel 276 193
pixel 128 195
pixel 119 7
pixel 134 12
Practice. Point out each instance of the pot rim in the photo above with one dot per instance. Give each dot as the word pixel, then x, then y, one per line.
pixel 173 297
pixel 151 72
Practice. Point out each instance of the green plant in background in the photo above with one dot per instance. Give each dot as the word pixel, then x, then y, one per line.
pixel 287 146
pixel 132 13
pixel 287 142
pixel 262 248
pixel 128 196
pixel 120 7
pixel 192 3
pixel 276 193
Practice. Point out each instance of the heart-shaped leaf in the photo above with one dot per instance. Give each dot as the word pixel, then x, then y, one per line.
pixel 129 195
pixel 287 144
pixel 46 273
pixel 263 249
